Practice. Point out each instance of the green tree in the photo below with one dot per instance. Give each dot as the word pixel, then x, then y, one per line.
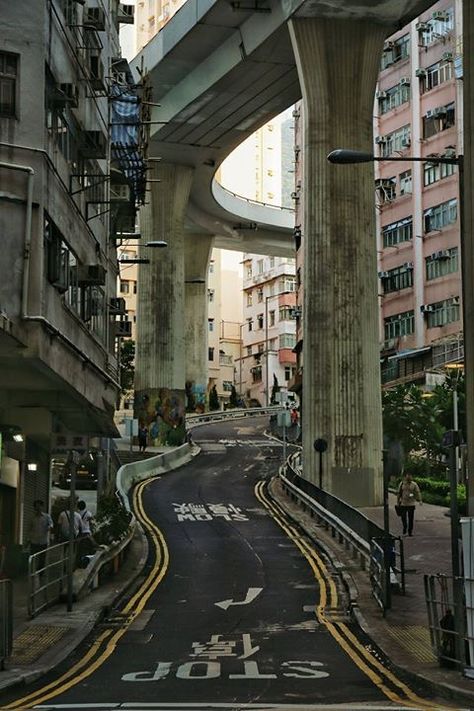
pixel 233 400
pixel 127 364
pixel 214 399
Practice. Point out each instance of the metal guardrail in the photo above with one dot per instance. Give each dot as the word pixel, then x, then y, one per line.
pixel 6 620
pixel 353 529
pixel 218 415
pixel 47 577
pixel 384 578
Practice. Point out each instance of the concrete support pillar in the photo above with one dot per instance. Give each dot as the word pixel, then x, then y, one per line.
pixel 197 254
pixel 159 368
pixel 338 64
pixel 467 241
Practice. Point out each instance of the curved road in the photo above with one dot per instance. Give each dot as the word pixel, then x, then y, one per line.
pixel 237 609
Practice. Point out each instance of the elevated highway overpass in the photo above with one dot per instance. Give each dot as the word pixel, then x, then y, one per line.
pixel 219 70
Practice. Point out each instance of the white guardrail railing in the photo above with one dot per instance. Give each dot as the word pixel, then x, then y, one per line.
pixel 206 417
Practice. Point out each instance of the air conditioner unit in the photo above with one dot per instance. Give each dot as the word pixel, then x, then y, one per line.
pixel 122 329
pixel 405 142
pixel 426 308
pixel 383 275
pixel 117 306
pixel 455 300
pixel 430 114
pixel 91 275
pixel 440 15
pixel 295 196
pixel 449 152
pixel 94 144
pixel 422 27
pixel 126 14
pixel 405 81
pixel 447 57
pixel 381 95
pixel 408 266
pixel 442 254
pixel 421 73
pixel 295 312
pixel 95 17
pixel 388 46
pixel 380 139
pixel 440 111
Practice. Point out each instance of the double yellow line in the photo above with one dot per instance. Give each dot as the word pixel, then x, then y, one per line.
pixel 393 688
pixel 105 644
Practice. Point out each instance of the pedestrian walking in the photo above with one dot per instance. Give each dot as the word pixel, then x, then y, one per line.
pixel 64 525
pixel 408 494
pixel 142 438
pixel 86 518
pixel 40 527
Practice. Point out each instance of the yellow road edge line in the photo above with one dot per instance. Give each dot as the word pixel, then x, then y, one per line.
pixel 312 557
pixel 141 597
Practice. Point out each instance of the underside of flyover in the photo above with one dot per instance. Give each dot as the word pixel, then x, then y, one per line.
pixel 217 75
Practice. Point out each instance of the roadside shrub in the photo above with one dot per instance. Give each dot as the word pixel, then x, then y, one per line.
pixel 112 520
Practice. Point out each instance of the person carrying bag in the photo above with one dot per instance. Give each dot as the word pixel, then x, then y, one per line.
pixel 408 494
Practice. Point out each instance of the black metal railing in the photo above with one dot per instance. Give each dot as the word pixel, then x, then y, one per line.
pixel 6 620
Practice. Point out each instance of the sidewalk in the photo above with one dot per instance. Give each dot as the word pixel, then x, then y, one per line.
pixel 42 643
pixel 403 635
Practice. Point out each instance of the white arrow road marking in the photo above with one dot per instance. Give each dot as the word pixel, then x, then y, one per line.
pixel 250 597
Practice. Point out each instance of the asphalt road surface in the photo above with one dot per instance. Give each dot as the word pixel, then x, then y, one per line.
pixel 237 609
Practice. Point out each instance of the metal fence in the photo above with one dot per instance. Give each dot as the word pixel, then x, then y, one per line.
pixel 47 577
pixel 450 619
pixel 386 569
pixel 6 620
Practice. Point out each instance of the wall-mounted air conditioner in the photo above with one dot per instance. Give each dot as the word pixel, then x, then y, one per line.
pixel 383 275
pixel 95 17
pixel 421 73
pixel 405 81
pixel 380 139
pixel 91 275
pixel 447 57
pixel 381 95
pixel 426 308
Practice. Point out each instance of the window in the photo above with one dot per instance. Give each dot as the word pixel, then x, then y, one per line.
pixel 249 350
pixel 250 324
pixel 439 216
pixel 260 266
pixel 287 340
pixel 249 298
pixel 260 295
pixel 288 284
pixel 432 172
pixel 439 119
pixel 438 74
pixel 261 348
pixel 272 262
pixel 398 278
pixel 437 27
pixel 8 75
pixel 399 325
pixel 271 318
pixel 260 321
pixel 385 189
pixel 405 183
pixel 396 51
pixel 289 372
pixel 134 287
pixel 210 353
pixel 396 141
pixel 210 323
pixel 391 98
pixel 285 313
pixel 124 287
pixel 445 261
pixel 272 344
pixel 256 373
pixel 443 312
pixel 248 271
pixel 227 386
pixel 396 232
pixel 210 295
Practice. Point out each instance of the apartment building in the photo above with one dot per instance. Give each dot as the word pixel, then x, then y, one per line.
pixel 269 327
pixel 59 62
pixel 419 113
pixel 224 320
